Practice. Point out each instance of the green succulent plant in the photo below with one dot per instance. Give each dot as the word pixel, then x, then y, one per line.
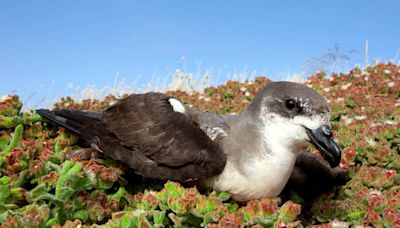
pixel 43 183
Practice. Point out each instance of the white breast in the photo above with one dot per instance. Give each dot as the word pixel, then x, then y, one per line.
pixel 261 177
pixel 265 174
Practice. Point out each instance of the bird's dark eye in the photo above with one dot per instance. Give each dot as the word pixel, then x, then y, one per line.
pixel 290 104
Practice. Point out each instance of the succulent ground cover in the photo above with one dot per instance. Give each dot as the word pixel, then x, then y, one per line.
pixel 43 183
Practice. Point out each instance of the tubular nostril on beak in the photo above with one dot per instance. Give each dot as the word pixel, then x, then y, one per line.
pixel 326 130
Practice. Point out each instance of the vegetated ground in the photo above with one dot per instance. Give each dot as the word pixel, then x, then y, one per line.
pixel 41 185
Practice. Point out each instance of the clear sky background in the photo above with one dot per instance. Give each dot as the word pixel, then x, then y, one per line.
pixel 47 45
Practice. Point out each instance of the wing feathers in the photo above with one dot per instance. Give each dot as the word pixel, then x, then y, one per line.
pixel 145 132
pixel 169 138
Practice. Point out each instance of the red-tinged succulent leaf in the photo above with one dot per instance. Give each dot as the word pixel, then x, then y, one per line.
pixel 70 224
pixel 372 217
pixel 109 174
pixel 289 212
pixel 45 150
pixel 10 106
pixel 264 211
pixel 366 127
pixel 148 201
pixel 231 220
pixel 11 221
pixel 36 168
pixel 179 206
pixel 49 180
pixel 100 207
pixel 28 216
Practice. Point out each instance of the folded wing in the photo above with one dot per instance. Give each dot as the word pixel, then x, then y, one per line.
pixel 143 131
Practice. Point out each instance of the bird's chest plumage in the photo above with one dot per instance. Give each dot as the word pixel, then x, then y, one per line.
pixel 263 176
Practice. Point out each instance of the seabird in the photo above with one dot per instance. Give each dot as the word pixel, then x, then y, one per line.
pixel 251 155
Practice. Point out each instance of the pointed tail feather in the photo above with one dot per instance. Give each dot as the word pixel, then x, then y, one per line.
pixel 79 122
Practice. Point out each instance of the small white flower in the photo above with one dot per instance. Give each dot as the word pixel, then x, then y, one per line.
pixel 375 124
pixel 375 192
pixel 138 212
pixel 339 224
pixel 347 120
pixel 4 98
pixel 340 100
pixel 346 86
pixel 360 117
pixel 390 122
pixel 370 141
pixel 91 176
pixel 391 84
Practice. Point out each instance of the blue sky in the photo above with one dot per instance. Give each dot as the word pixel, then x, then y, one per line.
pixel 45 45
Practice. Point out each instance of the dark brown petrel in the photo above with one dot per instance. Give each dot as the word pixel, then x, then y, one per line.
pixel 250 155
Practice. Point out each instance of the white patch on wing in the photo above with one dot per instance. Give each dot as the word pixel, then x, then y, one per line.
pixel 176 105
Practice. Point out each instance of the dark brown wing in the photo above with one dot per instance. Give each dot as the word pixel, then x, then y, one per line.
pixel 312 176
pixel 157 142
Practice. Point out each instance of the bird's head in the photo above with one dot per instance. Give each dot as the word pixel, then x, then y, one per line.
pixel 294 115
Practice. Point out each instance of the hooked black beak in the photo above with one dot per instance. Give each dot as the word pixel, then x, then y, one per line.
pixel 322 139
